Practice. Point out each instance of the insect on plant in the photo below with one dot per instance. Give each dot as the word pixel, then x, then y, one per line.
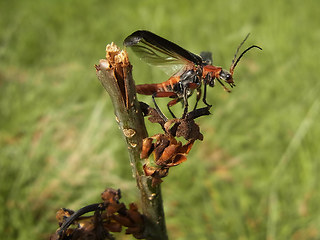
pixel 188 71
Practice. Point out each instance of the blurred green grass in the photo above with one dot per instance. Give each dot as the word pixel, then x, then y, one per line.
pixel 255 175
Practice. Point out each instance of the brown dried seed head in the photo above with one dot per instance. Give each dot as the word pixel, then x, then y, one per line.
pixel 148 171
pixel 168 153
pixel 111 195
pixel 178 159
pixel 147 148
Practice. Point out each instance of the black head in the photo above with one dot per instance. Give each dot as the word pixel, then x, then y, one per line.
pixel 226 76
pixel 222 76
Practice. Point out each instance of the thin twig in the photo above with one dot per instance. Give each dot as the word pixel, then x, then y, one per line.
pixel 115 75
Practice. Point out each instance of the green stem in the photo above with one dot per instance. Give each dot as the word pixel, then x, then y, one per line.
pixel 115 75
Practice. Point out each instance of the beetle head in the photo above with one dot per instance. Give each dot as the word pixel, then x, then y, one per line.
pixel 226 76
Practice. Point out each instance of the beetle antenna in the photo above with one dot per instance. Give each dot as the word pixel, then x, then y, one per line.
pixel 235 60
pixel 235 55
pixel 234 63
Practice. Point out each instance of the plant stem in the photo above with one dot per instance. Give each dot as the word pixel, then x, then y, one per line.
pixel 115 75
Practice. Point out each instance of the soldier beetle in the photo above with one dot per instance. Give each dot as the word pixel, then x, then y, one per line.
pixel 188 70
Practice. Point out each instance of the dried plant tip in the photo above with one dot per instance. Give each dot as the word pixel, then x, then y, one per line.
pixel 114 55
pixel 112 48
pixel 114 72
pixel 111 195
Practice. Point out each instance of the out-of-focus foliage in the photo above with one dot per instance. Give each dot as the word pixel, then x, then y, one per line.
pixel 255 176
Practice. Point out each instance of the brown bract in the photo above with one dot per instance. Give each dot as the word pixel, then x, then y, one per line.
pixel 109 216
pixel 163 150
pixel 178 127
pixel 166 151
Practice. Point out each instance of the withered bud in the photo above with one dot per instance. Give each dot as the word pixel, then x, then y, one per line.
pixel 111 195
pixel 147 148
pixel 62 214
pixel 177 127
pixel 186 128
pixel 156 173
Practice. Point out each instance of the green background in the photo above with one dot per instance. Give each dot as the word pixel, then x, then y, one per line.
pixel 255 175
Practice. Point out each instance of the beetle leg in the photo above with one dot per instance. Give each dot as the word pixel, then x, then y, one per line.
pixel 224 87
pixel 171 103
pixel 198 98
pixel 185 100
pixel 164 118
pixel 204 98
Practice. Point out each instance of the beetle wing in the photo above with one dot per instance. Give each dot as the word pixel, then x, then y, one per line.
pixel 160 52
